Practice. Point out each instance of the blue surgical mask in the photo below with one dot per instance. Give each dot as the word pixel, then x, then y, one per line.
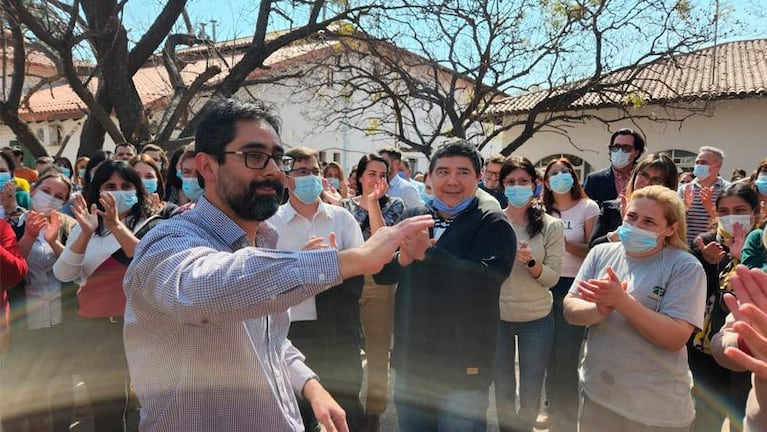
pixel 334 182
pixel 518 195
pixel 761 184
pixel 124 200
pixel 619 159
pixel 636 240
pixel 701 171
pixel 562 182
pixel 191 188
pixel 81 173
pixel 150 184
pixel 5 178
pixel 451 211
pixel 66 171
pixel 427 197
pixel 402 175
pixel 308 188
pixel 538 189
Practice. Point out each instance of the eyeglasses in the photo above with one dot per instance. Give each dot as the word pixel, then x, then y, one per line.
pixel 518 182
pixel 625 148
pixel 259 160
pixel 302 172
pixel 651 180
pixel 492 174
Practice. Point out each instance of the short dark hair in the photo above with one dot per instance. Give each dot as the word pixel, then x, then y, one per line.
pixel 8 157
pixel 218 126
pixel 639 143
pixel 495 158
pixel 125 144
pixel 457 147
pixel 302 153
pixel 392 152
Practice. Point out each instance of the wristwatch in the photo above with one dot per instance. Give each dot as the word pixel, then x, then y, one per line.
pixel 531 263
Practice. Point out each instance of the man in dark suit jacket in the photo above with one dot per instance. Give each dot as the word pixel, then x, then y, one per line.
pixel 626 146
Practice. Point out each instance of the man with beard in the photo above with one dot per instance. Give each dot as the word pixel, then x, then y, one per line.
pixel 205 320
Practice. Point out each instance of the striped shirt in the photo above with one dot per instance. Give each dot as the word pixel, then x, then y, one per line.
pixel 698 219
pixel 206 327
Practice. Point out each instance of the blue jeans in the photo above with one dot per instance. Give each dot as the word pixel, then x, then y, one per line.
pixel 455 411
pixel 535 339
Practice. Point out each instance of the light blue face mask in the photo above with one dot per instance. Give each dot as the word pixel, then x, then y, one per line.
pixel 701 171
pixel 636 240
pixel 308 188
pixel 5 178
pixel 561 183
pixel 334 182
pixel 124 200
pixel 191 188
pixel 150 185
pixel 761 184
pixel 518 195
pixel 81 173
pixel 66 171
pixel 451 211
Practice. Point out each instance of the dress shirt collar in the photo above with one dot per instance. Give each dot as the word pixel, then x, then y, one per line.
pixel 290 211
pixel 231 233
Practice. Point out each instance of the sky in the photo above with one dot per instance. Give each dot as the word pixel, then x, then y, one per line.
pixel 236 18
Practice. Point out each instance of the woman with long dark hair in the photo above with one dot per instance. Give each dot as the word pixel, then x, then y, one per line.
pixel 373 209
pixel 111 216
pixel 564 197
pixel 525 299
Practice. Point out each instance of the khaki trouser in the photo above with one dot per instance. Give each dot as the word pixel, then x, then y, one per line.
pixel 377 312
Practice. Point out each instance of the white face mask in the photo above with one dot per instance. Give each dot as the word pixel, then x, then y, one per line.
pixel 45 203
pixel 726 225
pixel 619 159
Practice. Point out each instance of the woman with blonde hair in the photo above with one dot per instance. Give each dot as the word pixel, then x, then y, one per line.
pixel 642 298
pixel 335 177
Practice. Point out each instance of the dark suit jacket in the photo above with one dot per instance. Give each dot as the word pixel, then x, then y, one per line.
pixel 600 185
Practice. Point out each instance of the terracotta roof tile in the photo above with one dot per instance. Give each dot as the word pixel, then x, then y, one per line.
pixel 726 70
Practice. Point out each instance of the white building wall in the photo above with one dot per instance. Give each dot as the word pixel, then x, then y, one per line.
pixel 737 126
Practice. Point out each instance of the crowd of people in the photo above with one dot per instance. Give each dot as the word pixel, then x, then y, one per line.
pixel 237 285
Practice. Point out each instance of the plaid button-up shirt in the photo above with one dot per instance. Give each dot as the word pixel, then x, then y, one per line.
pixel 206 327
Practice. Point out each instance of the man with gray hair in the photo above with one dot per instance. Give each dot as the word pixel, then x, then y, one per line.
pixel 700 194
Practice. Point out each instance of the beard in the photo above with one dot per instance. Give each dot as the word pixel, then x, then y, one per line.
pixel 249 204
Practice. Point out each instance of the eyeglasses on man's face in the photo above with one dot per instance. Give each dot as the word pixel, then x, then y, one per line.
pixel 303 172
pixel 259 160
pixel 625 148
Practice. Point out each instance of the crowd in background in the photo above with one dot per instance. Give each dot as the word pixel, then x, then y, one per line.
pixel 606 292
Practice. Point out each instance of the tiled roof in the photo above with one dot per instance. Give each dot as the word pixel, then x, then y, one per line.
pixel 153 85
pixel 734 69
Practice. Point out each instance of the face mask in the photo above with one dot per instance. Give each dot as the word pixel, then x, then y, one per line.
pixel 5 178
pixel 308 188
pixel 45 203
pixel 191 188
pixel 518 196
pixel 561 183
pixel 66 171
pixel 636 240
pixel 427 197
pixel 124 200
pixel 451 211
pixel 81 173
pixel 538 189
pixel 619 159
pixel 701 171
pixel 150 185
pixel 726 224
pixel 761 184
pixel 402 175
pixel 334 182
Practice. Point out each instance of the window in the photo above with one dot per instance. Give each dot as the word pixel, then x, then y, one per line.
pixel 322 156
pixel 582 168
pixel 54 135
pixel 336 157
pixel 684 160
pixel 413 165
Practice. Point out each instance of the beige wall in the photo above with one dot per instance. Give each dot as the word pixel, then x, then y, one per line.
pixel 737 126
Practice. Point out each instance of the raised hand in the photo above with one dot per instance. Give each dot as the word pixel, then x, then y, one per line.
pixel 414 248
pixel 712 252
pixel 109 215
pixel 88 220
pixel 379 190
pixel 750 311
pixel 8 197
pixel 317 242
pixel 689 195
pixel 52 228
pixel 608 292
pixel 706 199
pixel 35 222
pixel 329 194
pixel 739 233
